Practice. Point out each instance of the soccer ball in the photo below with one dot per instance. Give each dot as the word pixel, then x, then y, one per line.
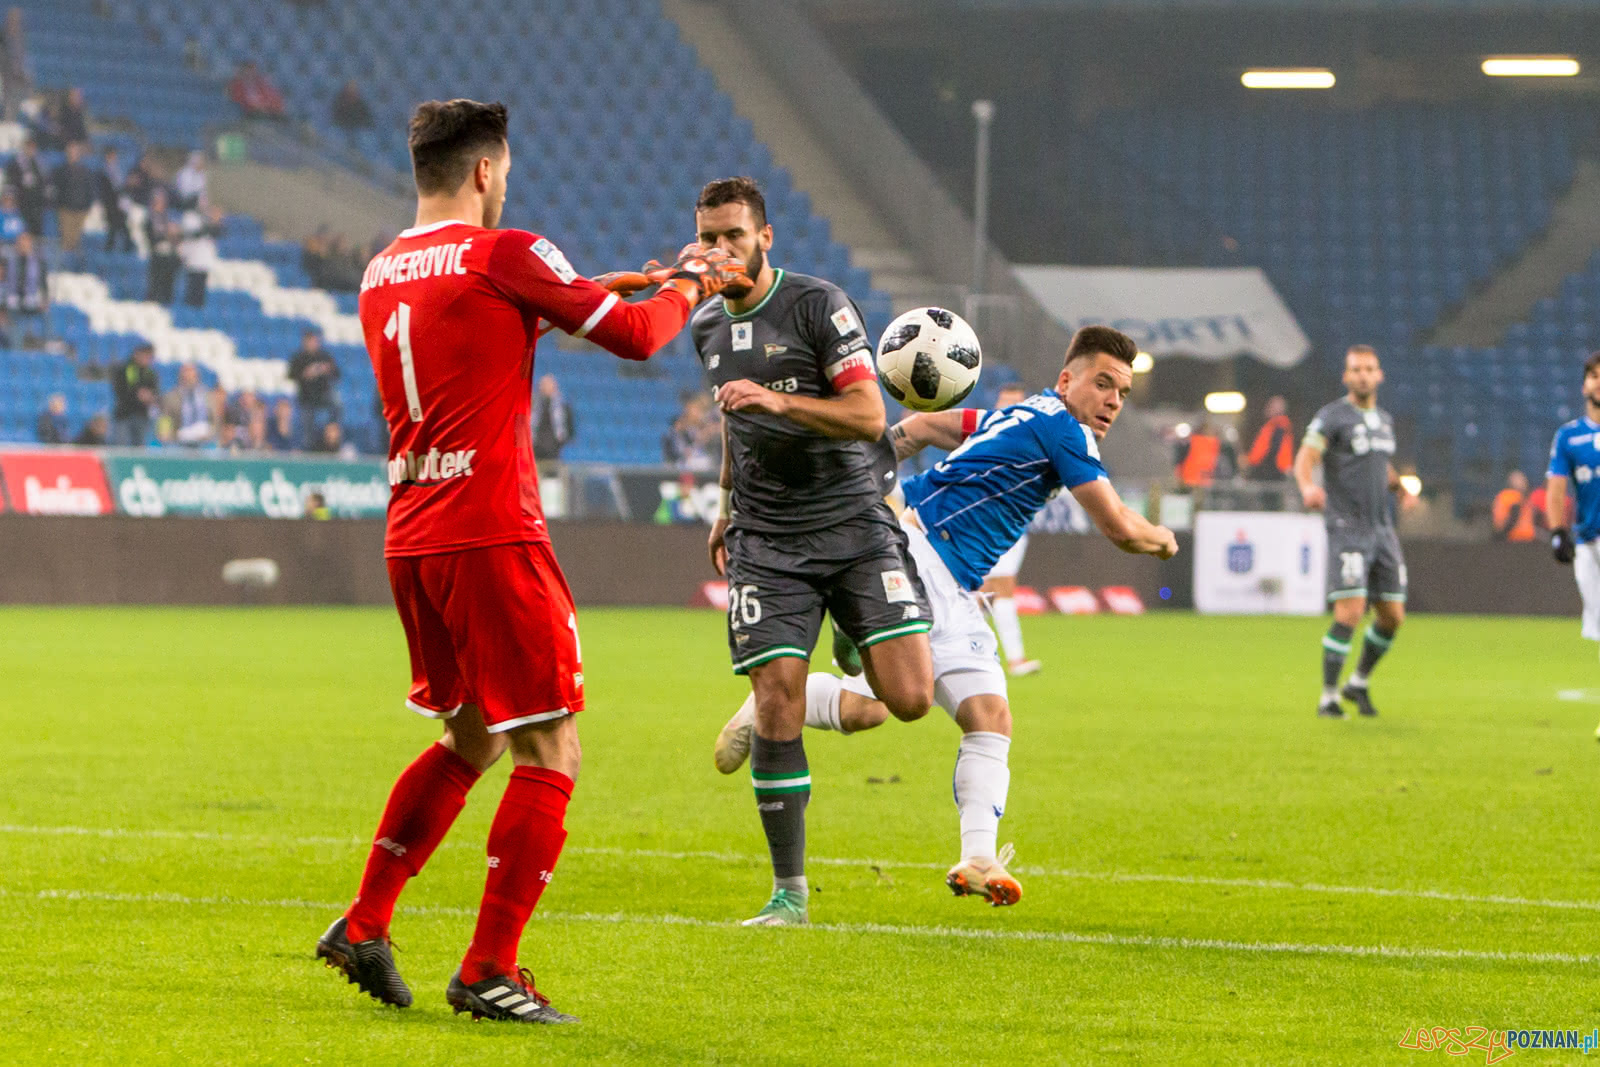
pixel 929 359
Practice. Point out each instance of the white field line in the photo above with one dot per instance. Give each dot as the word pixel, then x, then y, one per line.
pixel 1267 884
pixel 934 932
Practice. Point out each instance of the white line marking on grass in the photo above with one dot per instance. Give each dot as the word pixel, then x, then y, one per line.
pixel 896 930
pixel 1579 696
pixel 1268 884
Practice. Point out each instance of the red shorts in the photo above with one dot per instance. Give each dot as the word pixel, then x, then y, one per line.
pixel 494 627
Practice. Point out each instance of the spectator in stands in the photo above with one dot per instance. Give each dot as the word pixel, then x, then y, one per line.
pixel 52 428
pixel 243 409
pixel 134 394
pixel 26 279
pixel 314 256
pixel 255 94
pixel 316 378
pixel 25 175
pixel 198 251
pixel 331 442
pixel 72 118
pixel 14 75
pixel 317 507
pixel 163 236
pixel 11 224
pixel 108 193
pixel 694 441
pixel 1513 513
pixel 1197 456
pixel 93 432
pixel 189 184
pixel 254 434
pixel 553 424
pixel 1271 454
pixel 188 409
pixel 217 406
pixel 140 183
pixel 227 439
pixel 334 262
pixel 351 111
pixel 280 428
pixel 73 187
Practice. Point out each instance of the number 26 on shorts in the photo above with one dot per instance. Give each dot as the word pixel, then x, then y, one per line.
pixel 743 607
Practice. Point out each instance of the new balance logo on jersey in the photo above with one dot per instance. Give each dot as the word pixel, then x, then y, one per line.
pixel 414 266
pixel 435 466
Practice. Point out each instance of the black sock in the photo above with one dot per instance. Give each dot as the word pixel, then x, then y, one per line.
pixel 1335 647
pixel 783 788
pixel 1374 644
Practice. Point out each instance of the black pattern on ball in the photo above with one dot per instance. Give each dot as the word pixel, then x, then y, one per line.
pixel 942 317
pixel 959 397
pixel 894 390
pixel 925 377
pixel 962 354
pixel 899 337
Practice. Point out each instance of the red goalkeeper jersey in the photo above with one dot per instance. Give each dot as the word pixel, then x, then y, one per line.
pixel 450 313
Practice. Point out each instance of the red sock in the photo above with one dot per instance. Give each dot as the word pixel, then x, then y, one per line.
pixel 524 843
pixel 424 802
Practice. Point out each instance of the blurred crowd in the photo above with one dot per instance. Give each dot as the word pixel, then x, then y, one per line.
pixel 198 416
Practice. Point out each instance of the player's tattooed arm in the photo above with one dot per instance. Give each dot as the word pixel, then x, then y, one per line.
pixel 939 429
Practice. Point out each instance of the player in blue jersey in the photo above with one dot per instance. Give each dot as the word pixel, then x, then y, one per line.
pixel 961 517
pixel 1575 465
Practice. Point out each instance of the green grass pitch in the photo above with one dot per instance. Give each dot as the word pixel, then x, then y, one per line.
pixel 1210 870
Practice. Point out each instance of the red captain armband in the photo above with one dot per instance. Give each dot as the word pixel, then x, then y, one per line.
pixel 969 421
pixel 854 366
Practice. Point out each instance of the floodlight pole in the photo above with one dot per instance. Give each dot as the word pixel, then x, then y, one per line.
pixel 983 112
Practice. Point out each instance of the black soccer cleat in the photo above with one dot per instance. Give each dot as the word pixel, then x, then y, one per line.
pixel 367 964
pixel 1357 695
pixel 508 998
pixel 1330 710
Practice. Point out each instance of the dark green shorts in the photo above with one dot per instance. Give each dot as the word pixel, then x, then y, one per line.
pixel 780 584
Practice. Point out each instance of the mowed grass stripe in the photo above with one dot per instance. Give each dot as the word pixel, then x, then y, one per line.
pixel 1404 952
pixel 1264 884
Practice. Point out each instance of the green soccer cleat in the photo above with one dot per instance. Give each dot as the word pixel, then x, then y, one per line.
pixel 846 656
pixel 786 908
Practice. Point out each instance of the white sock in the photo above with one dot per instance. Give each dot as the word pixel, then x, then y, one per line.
pixel 1006 624
pixel 1358 680
pixel 822 701
pixel 1330 693
pixel 797 884
pixel 982 780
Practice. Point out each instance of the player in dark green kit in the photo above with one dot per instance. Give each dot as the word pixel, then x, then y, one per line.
pixel 803 528
pixel 1353 440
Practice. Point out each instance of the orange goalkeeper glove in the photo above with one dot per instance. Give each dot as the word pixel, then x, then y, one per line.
pixel 701 273
pixel 623 282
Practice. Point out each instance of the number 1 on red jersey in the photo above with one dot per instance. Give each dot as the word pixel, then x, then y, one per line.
pixel 400 323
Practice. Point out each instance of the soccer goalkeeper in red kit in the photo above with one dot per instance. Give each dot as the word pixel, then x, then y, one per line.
pixel 451 312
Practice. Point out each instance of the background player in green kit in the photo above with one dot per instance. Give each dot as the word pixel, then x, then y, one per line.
pixel 803 527
pixel 1353 439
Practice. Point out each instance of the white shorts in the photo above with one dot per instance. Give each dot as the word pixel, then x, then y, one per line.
pixel 1009 564
pixel 966 659
pixel 1585 567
